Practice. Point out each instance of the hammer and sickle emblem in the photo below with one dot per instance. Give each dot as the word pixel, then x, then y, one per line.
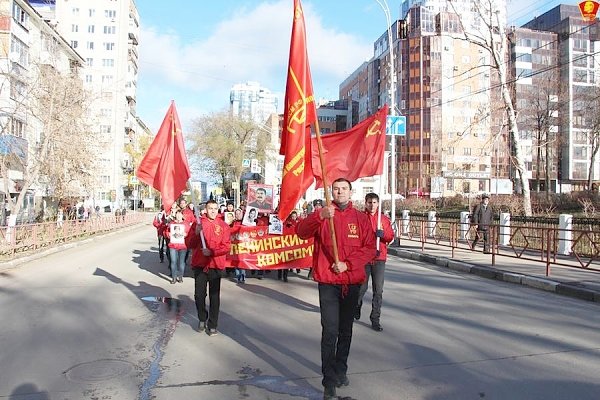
pixel 374 128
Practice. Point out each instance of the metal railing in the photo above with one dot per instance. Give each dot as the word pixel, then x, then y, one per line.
pixel 27 238
pixel 525 241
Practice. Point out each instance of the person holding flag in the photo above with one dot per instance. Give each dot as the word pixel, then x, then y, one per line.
pixel 339 280
pixel 375 269
pixel 208 264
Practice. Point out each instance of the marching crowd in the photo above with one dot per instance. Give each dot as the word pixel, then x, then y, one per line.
pixel 341 265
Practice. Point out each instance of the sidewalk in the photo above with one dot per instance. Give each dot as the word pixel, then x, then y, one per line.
pixel 574 282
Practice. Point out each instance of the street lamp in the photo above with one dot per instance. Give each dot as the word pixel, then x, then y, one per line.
pixel 386 10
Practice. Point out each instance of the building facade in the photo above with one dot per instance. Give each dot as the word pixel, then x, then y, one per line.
pixel 29 46
pixel 577 69
pixel 106 35
pixel 253 101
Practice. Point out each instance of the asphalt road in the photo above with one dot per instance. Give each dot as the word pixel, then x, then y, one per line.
pixel 90 322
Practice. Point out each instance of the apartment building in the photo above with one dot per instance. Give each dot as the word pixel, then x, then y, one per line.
pixel 577 69
pixel 106 34
pixel 28 47
pixel 251 100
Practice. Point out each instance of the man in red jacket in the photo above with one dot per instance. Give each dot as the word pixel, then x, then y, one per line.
pixel 339 282
pixel 208 265
pixel 376 268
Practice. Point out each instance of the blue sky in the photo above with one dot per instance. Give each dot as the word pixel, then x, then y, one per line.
pixel 194 51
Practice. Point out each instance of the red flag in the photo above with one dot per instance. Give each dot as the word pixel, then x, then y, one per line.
pixel 299 113
pixel 354 153
pixel 165 166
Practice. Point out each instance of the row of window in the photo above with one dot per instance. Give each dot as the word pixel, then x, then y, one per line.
pixel 108 29
pixel 92 12
pixel 90 45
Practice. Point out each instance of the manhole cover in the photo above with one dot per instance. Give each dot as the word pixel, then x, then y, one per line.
pixel 98 371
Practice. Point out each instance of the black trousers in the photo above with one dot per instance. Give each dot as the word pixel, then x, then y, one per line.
pixel 485 233
pixel 201 279
pixel 337 317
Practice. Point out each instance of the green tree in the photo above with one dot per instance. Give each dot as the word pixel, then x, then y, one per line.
pixel 221 141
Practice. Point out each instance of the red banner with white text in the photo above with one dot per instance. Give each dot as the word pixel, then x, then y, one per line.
pixel 252 247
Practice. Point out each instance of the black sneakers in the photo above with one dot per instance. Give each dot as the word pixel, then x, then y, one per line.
pixel 212 332
pixel 329 393
pixel 376 326
pixel 357 313
pixel 343 381
pixel 201 326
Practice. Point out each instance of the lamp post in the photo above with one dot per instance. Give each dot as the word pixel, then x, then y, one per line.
pixel 386 10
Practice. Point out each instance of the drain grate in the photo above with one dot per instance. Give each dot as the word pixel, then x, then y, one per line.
pixel 98 371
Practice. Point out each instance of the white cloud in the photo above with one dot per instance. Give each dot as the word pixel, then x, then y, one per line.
pixel 252 45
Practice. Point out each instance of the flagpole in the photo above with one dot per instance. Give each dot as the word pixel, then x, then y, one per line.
pixel 197 216
pixel 326 189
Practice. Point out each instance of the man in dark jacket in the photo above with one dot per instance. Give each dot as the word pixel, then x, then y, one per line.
pixel 339 281
pixel 482 217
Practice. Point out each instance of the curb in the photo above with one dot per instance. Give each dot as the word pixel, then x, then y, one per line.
pixel 545 284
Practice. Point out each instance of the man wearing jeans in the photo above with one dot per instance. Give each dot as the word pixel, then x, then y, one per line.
pixel 339 281
pixel 375 268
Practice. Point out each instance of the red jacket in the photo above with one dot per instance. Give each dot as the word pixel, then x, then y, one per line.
pixel 217 237
pixel 388 234
pixel 355 243
pixel 188 216
pixel 167 233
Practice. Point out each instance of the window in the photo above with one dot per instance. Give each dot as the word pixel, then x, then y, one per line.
pixel 467 151
pixel 88 78
pixel 110 13
pixel 89 62
pixel 92 12
pixel 105 128
pixel 75 11
pixel 20 48
pixel 109 46
pixel 580 152
pixel 105 112
pixel 107 79
pixel 481 185
pixel 91 28
pixel 17 127
pixel 17 88
pixel 90 45
pixel 19 15
pixel 110 30
pixel 74 28
pixel 108 62
pixel 74 44
pixel 105 179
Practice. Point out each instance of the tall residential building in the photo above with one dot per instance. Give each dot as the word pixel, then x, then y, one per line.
pixel 535 78
pixel 106 34
pixel 253 101
pixel 444 88
pixel 29 46
pixel 577 69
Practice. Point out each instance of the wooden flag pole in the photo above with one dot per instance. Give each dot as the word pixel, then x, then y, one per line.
pixel 327 193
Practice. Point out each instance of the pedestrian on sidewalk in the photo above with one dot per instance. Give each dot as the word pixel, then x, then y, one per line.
pixel 375 269
pixel 339 281
pixel 208 264
pixel 482 217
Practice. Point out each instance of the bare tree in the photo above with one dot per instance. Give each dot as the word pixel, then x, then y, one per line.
pixel 539 116
pixel 590 104
pixel 222 141
pixel 491 37
pixel 50 148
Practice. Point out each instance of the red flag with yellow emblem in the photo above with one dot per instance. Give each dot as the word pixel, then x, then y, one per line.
pixel 165 166
pixel 355 153
pixel 299 113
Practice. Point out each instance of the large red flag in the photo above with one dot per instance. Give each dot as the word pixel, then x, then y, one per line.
pixel 355 153
pixel 165 166
pixel 299 113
